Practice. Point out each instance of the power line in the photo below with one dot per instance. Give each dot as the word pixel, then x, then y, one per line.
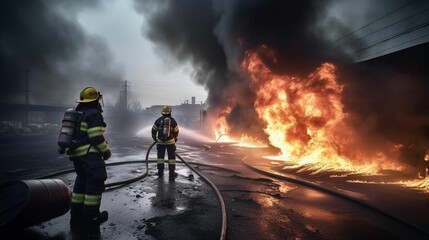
pixel 384 50
pixel 378 19
pixel 423 25
pixel 388 26
pixel 383 39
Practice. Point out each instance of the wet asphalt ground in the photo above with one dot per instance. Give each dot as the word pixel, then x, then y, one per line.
pixel 278 209
pixel 152 208
pixel 258 206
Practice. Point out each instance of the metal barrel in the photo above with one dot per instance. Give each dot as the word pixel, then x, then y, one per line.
pixel 29 202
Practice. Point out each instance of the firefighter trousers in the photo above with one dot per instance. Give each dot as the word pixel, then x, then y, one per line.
pixel 89 186
pixel 171 152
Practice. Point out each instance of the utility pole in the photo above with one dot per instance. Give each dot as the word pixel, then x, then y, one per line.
pixel 126 94
pixel 27 91
pixel 27 98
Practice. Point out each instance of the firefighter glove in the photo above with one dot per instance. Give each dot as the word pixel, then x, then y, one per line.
pixel 106 155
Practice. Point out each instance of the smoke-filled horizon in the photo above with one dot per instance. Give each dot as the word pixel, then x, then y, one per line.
pixel 43 42
pixel 214 37
pixel 43 45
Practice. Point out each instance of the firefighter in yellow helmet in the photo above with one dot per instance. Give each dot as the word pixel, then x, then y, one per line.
pixel 88 154
pixel 165 132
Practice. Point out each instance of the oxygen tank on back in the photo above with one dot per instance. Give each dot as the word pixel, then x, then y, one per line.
pixel 166 128
pixel 68 129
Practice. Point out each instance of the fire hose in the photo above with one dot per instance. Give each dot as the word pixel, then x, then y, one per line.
pixel 21 217
pixel 220 198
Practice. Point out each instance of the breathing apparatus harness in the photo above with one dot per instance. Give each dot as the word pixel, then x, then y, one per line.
pixel 165 128
pixel 70 126
pixel 68 138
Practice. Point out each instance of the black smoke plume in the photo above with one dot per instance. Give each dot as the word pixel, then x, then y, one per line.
pixel 213 36
pixel 42 42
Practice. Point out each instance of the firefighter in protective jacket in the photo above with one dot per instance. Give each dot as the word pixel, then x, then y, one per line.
pixel 165 132
pixel 88 154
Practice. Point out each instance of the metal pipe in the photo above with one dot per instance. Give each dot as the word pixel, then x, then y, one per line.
pixel 28 202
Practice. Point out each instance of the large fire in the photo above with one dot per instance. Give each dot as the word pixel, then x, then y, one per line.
pixel 304 118
pixel 221 132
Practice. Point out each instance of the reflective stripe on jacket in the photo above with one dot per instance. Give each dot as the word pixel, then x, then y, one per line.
pixel 174 131
pixel 91 134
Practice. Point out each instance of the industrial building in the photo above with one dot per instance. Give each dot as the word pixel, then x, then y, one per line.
pixel 188 115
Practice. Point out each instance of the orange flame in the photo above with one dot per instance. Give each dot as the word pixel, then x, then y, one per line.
pixel 420 184
pixel 222 129
pixel 304 118
pixel 250 142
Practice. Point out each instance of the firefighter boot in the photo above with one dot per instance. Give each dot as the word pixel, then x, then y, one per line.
pixel 92 226
pixel 101 218
pixel 171 170
pixel 95 222
pixel 76 218
pixel 160 169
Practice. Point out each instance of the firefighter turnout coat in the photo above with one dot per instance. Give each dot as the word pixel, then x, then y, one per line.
pixel 165 133
pixel 90 135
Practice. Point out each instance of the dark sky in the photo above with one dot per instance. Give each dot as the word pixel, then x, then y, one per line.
pixel 42 41
pixel 213 36
pixel 46 40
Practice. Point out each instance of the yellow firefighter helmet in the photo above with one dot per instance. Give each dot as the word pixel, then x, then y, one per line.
pixel 166 110
pixel 89 94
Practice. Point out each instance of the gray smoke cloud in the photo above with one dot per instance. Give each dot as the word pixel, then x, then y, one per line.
pixel 42 41
pixel 213 36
